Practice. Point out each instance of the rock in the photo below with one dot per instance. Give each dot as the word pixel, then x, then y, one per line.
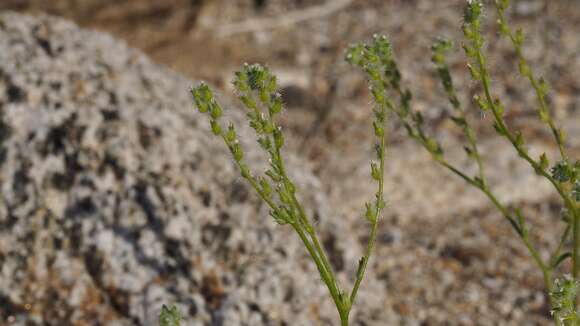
pixel 116 200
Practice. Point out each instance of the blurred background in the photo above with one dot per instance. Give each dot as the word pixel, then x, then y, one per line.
pixel 492 281
pixel 304 42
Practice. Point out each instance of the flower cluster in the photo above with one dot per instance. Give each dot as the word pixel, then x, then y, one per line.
pixel 377 61
pixel 256 88
pixel 564 301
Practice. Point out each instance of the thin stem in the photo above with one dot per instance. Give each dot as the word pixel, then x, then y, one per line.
pixel 315 249
pixel 323 257
pixel 366 257
pixel 546 270
pixel 561 244
pixel 462 175
pixel 527 72
pixel 378 62
pixel 440 48
pixel 316 252
pixel 317 246
pixel 374 226
pixel 257 89
pixel 309 229
pixel 500 123
pixel 326 276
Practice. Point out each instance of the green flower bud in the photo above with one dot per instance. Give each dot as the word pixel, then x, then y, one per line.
pixel 265 143
pixel 475 73
pixel 380 202
pixel 248 102
pixel 264 96
pixel 274 176
pixel 279 138
pixel 237 151
pixel 282 215
pixel 215 127
pixel 245 171
pixel 379 130
pixel 284 195
pixel 473 11
pixel 375 171
pixel 268 126
pixel 216 110
pixel 369 213
pixel 524 68
pixel 289 186
pixel 276 105
pixel 519 37
pixel 544 162
pixel 378 93
pixel 373 73
pixel 265 187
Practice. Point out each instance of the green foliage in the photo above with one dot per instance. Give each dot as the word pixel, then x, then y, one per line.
pixel 257 89
pixel 378 62
pixel 169 316
pixel 564 301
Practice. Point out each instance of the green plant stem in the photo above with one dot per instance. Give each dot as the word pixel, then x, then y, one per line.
pixel 258 91
pixel 316 252
pixel 327 276
pixel 520 229
pixel 368 252
pixel 544 112
pixel 344 320
pixel 504 211
pixel 546 269
pixel 312 233
pixel 500 123
pixel 529 74
pixel 374 227
pixel 304 229
pixel 333 286
pixel 558 250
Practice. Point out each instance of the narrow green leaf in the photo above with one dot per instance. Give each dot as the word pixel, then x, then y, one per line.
pixel 560 259
pixel 370 215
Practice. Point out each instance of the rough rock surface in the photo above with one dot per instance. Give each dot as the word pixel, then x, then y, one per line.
pixel 114 199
